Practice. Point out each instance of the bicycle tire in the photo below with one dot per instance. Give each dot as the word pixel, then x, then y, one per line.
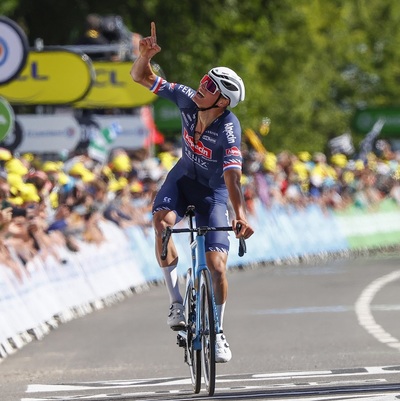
pixel 208 335
pixel 193 357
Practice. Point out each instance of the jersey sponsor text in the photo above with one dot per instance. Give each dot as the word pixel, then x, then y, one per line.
pixel 229 133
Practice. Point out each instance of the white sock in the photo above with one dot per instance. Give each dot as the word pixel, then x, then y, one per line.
pixel 171 281
pixel 220 313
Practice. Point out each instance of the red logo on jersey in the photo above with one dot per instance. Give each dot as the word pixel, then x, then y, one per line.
pixel 203 150
pixel 233 151
pixel 199 149
pixel 188 139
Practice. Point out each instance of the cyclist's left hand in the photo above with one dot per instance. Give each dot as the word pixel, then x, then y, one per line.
pixel 246 231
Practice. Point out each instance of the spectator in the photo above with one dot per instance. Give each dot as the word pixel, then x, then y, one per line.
pixel 395 191
pixel 115 211
pixel 93 36
pixel 6 258
pixel 19 240
pixel 321 174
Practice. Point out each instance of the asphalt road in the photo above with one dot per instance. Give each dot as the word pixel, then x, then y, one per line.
pixel 320 331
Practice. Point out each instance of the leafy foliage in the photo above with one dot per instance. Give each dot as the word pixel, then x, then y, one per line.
pixel 307 64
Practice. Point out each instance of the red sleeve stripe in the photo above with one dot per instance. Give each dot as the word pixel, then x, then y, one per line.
pixel 156 85
pixel 232 165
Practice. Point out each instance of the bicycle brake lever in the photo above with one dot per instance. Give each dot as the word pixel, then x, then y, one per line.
pixel 242 242
pixel 242 247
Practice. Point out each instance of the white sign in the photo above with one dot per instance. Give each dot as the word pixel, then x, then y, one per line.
pixel 48 133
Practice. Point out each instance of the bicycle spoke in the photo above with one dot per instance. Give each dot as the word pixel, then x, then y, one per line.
pixel 193 357
pixel 208 332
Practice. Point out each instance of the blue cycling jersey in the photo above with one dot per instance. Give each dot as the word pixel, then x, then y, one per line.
pixel 197 178
pixel 219 146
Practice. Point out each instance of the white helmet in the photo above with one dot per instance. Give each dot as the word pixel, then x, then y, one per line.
pixel 229 83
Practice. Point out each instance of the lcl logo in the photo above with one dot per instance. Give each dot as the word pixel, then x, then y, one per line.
pixel 106 77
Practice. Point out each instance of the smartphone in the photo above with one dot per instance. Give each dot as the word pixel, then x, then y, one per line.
pixel 5 204
pixel 18 211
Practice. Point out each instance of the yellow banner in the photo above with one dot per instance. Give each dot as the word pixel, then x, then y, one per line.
pixel 51 77
pixel 114 87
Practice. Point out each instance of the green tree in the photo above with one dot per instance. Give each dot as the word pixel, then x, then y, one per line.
pixel 8 6
pixel 306 64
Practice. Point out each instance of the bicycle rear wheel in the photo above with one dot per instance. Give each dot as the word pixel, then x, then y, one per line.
pixel 208 332
pixel 193 357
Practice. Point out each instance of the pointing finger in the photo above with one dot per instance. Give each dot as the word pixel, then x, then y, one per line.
pixel 153 32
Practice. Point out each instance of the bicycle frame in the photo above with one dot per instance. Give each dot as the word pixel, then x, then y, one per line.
pixel 199 264
pixel 199 293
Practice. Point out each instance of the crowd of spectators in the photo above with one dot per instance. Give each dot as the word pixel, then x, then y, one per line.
pixel 48 204
pixel 335 182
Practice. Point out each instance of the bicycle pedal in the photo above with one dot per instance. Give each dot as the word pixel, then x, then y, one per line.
pixel 180 341
pixel 177 328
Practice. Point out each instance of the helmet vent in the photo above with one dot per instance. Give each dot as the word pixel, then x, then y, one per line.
pixel 228 85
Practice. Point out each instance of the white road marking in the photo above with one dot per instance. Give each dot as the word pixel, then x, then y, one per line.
pixel 44 388
pixel 364 315
pixel 322 309
pixel 170 381
pixel 249 392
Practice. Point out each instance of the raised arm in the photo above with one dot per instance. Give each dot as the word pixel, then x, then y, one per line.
pixel 141 71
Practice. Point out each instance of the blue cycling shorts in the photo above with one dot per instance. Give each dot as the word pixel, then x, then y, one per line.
pixel 180 191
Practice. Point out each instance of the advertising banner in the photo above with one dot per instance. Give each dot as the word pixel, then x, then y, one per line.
pixel 53 77
pixel 364 120
pixel 167 115
pixel 54 133
pixel 48 133
pixel 114 88
pixel 368 229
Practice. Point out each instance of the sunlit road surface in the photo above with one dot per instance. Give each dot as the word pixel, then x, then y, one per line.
pixel 326 331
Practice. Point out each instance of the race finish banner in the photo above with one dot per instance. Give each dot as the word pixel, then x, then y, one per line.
pixel 114 88
pixel 53 77
pixel 13 50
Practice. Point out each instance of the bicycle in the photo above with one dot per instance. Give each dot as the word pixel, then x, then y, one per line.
pixel 202 325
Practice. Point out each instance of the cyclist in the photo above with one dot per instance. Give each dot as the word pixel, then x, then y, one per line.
pixel 207 175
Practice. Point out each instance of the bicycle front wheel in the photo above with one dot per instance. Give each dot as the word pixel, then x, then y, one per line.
pixel 193 357
pixel 207 332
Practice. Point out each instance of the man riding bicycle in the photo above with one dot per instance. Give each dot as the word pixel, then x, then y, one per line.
pixel 207 175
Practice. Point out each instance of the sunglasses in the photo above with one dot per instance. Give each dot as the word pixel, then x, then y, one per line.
pixel 209 84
